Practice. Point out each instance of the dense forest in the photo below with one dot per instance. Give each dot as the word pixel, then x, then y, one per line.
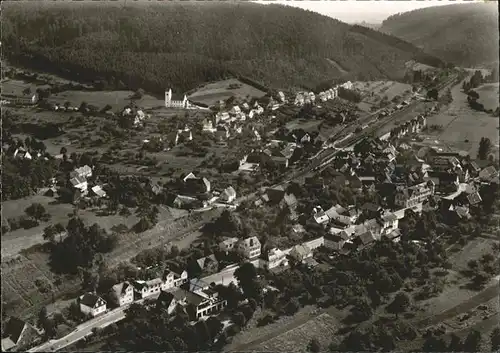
pixel 182 45
pixel 466 35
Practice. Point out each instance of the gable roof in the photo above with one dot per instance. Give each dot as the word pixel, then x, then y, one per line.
pixel 204 261
pixel 301 249
pixel 14 329
pixel 90 299
pixel 121 288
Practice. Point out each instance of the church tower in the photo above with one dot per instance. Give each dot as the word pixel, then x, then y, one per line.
pixel 168 98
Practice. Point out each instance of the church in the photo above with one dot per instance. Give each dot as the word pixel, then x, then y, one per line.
pixel 171 103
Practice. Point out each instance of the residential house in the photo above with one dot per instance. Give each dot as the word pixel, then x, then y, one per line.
pixel 235 110
pixel 83 172
pixel 342 215
pixel 228 244
pixel 145 289
pixel 222 116
pixel 406 197
pixel 315 243
pixel 336 240
pixel 92 304
pixel 203 303
pixel 300 252
pixel 195 186
pixel 98 191
pixel 444 181
pixel 22 153
pixel 183 135
pixel 364 239
pixel 228 195
pixel 169 300
pixel 207 264
pixel 174 276
pixel 208 125
pixel 319 215
pixel 488 174
pixel 124 292
pixel 18 334
pixel 80 183
pixel 222 133
pixel 389 222
pixel 371 210
pixel 186 202
pixel 281 97
pixel 250 247
pixel 274 258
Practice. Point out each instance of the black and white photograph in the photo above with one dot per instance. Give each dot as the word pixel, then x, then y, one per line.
pixel 250 176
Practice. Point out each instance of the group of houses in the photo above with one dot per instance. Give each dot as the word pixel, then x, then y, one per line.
pixel 302 98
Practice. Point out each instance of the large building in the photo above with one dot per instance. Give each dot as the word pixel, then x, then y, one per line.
pixel 170 102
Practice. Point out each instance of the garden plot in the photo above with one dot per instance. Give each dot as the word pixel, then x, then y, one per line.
pixel 211 93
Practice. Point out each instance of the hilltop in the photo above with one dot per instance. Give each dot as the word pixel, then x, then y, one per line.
pixel 182 45
pixel 466 35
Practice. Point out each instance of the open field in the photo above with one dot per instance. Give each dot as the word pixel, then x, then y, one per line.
pixel 211 93
pixel 117 99
pixel 17 87
pixel 463 127
pixel 323 328
pixel 307 125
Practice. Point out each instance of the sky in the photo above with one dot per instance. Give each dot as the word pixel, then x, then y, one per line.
pixel 353 11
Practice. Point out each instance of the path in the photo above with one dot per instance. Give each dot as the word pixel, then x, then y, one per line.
pixel 480 298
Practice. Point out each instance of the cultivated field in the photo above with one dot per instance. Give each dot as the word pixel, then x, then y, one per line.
pixel 117 99
pixel 323 328
pixel 374 91
pixel 211 93
pixel 463 127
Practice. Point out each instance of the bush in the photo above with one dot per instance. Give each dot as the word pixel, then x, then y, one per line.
pixel 266 320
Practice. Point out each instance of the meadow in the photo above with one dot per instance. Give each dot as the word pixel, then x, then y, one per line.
pixel 464 127
pixel 211 93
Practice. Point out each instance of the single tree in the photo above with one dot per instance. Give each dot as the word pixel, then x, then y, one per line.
pixel 314 346
pixel 484 148
pixel 399 304
pixel 495 339
pixel 472 342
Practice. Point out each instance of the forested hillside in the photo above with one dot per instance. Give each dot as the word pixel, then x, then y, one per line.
pixel 466 35
pixel 181 45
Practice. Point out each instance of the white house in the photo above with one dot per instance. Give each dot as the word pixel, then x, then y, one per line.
pixel 84 172
pixel 250 247
pixel 174 278
pixel 145 289
pixel 80 183
pixel 21 153
pixel 274 258
pixel 319 215
pixel 228 195
pixel 300 252
pixel 124 292
pixel 91 304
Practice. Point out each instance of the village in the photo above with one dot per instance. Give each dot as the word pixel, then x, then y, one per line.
pixel 397 170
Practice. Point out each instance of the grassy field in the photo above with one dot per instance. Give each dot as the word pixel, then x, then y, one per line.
pixel 323 328
pixel 463 127
pixel 307 125
pixel 16 87
pixel 211 93
pixel 117 99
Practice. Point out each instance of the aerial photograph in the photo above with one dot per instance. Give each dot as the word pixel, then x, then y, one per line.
pixel 250 176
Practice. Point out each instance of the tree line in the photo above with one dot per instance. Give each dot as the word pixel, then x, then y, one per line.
pixel 121 46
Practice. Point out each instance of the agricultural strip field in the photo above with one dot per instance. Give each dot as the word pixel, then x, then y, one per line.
pixel 323 328
pixel 211 93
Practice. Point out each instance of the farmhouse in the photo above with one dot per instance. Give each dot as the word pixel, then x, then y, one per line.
pixel 124 292
pixel 228 195
pixel 91 304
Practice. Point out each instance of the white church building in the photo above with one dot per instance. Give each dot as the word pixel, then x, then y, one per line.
pixel 171 103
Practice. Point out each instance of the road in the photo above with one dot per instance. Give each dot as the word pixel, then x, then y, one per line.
pixel 82 330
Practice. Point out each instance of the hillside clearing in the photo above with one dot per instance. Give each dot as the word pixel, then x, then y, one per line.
pixel 212 92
